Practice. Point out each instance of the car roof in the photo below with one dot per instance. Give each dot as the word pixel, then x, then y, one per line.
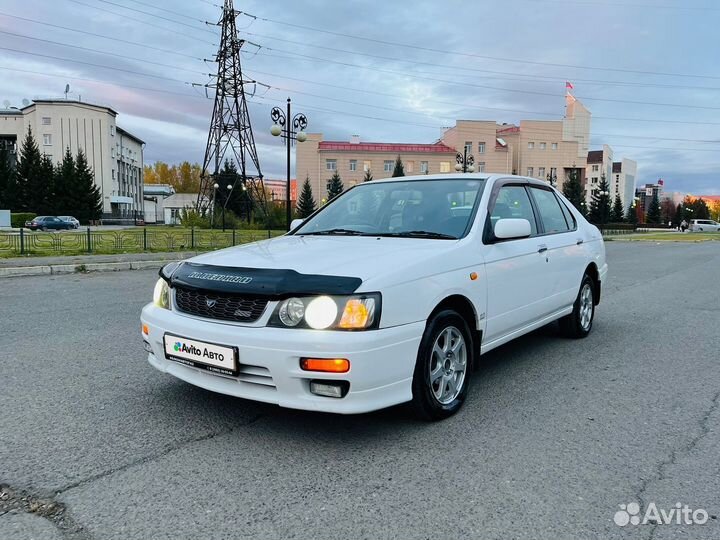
pixel 461 176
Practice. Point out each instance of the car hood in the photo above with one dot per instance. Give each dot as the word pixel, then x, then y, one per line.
pixel 354 256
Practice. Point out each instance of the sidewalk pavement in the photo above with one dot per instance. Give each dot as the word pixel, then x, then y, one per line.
pixel 68 264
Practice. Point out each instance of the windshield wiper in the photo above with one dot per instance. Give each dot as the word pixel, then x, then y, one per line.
pixel 421 234
pixel 349 232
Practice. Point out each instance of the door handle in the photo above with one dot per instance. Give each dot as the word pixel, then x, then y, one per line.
pixel 579 241
pixel 542 248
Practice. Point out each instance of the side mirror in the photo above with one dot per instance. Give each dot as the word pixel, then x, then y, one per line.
pixel 508 228
pixel 295 223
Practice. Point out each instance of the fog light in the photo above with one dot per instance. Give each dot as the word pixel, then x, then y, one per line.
pixel 329 365
pixel 147 347
pixel 334 389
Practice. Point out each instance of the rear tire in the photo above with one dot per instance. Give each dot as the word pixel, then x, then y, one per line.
pixel 578 324
pixel 443 367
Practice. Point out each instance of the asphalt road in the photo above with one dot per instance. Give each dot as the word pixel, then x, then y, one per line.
pixel 556 433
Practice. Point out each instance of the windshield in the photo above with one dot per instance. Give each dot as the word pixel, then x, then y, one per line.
pixel 439 209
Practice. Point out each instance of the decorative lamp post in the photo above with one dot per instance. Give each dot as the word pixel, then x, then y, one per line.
pixel 290 131
pixel 464 163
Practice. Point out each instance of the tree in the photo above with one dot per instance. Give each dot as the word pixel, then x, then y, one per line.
pixel 67 196
pixel 667 211
pixel 653 212
pixel 88 194
pixel 306 204
pixel 617 215
pixel 26 174
pixel 45 199
pixel 238 199
pixel 399 169
pixel 716 210
pixel 7 174
pixel 600 203
pixel 334 186
pixel 678 215
pixel 368 176
pixel 573 191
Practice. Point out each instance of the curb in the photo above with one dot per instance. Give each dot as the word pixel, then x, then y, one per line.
pixel 58 269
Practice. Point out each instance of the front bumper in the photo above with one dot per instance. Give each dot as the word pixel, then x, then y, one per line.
pixel 381 361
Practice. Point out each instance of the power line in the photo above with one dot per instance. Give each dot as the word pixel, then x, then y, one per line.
pixel 627 4
pixel 473 55
pixel 194 27
pixel 310 58
pixel 155 26
pixel 478 70
pixel 189 17
pixel 103 36
pixel 102 52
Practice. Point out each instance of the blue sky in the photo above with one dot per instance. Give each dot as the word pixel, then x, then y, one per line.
pixel 515 56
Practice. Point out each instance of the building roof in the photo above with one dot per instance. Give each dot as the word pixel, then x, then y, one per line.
pixel 62 101
pixel 128 134
pixel 617 166
pixel 13 111
pixel 395 148
pixel 158 189
pixel 595 156
pixel 508 129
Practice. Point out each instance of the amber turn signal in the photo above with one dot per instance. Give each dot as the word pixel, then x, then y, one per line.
pixel 328 365
pixel 145 329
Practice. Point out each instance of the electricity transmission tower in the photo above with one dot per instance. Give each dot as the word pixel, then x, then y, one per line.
pixel 230 135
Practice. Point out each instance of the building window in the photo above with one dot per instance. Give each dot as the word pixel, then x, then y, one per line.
pixel 444 166
pixel 481 166
pixel 388 165
pixel 554 146
pixel 595 168
pixel 367 165
pixel 542 146
pixel 529 171
pixel 531 145
pixel 553 172
pixel 46 121
pixel 468 147
pixel 331 164
pixel 47 139
pixel 113 174
pixel 353 164
pixel 424 167
pixel 481 148
pixel 112 130
pixel 541 172
pixel 594 180
pixel 409 166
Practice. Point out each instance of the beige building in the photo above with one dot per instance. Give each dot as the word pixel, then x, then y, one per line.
pixel 115 155
pixel 541 149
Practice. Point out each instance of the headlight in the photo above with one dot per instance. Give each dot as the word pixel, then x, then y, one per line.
pixel 161 294
pixel 355 312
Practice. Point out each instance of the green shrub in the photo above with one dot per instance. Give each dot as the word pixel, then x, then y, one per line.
pixel 193 218
pixel 19 219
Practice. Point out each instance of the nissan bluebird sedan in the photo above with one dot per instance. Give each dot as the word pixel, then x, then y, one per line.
pixel 390 293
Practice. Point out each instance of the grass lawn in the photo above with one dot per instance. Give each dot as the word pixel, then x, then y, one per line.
pixel 668 237
pixel 130 240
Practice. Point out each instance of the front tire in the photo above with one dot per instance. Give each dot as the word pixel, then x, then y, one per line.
pixel 443 367
pixel 578 324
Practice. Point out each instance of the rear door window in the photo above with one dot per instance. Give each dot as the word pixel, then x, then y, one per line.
pixel 551 213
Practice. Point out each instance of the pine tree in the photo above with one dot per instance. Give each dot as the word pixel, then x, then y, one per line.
pixel 368 176
pixel 631 215
pixel 306 204
pixel 399 169
pixel 237 200
pixel 90 208
pixel 67 196
pixel 26 175
pixel 653 213
pixel 334 186
pixel 600 203
pixel 618 212
pixel 573 191
pixel 45 196
pixel 6 178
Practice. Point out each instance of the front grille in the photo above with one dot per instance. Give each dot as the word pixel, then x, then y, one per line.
pixel 221 306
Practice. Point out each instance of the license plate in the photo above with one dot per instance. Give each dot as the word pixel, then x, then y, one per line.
pixel 209 356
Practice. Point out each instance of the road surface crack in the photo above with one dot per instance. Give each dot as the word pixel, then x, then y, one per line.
pixel 671 460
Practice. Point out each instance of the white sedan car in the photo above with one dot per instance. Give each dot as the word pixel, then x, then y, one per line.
pixel 388 294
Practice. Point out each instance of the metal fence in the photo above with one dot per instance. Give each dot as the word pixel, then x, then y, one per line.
pixel 125 241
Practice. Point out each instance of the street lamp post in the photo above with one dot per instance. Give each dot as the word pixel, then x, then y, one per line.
pixel 290 131
pixel 227 198
pixel 464 163
pixel 552 179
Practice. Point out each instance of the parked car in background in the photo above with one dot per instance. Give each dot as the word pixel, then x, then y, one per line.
pixel 388 294
pixel 69 219
pixel 704 225
pixel 48 223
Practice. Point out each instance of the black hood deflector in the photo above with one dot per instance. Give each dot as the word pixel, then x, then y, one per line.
pixel 268 282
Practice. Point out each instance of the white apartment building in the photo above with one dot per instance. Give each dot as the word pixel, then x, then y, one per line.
pixel 115 155
pixel 620 175
pixel 624 174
